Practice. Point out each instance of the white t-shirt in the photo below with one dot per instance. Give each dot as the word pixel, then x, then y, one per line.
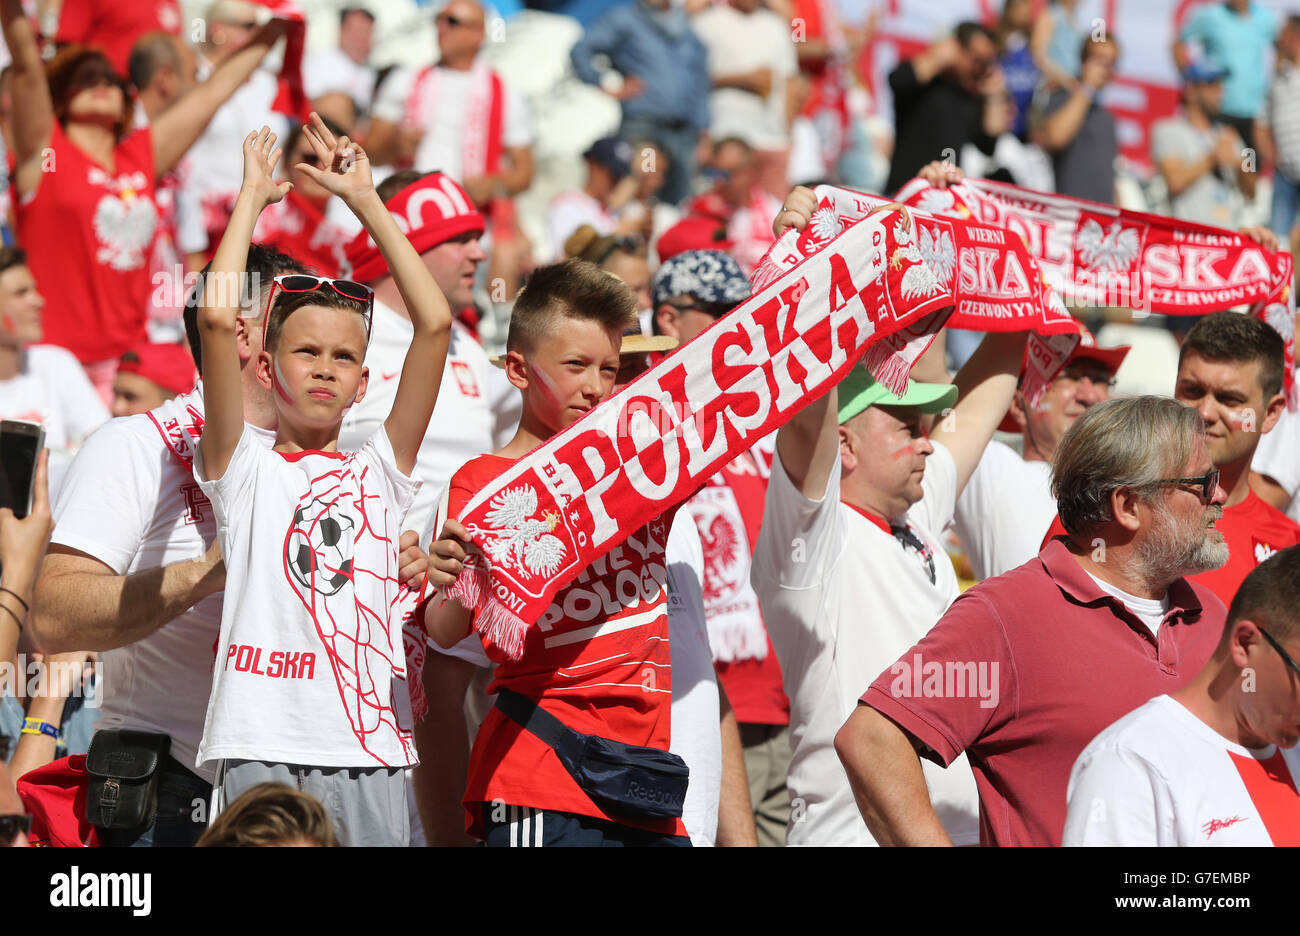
pixel 331 70
pixel 569 211
pixel 1278 456
pixel 310 639
pixel 443 120
pixel 843 600
pixel 213 170
pixel 132 503
pixel 696 735
pixel 1150 611
pixel 52 389
pixel 1161 776
pixel 1004 511
pixel 737 43
pixel 476 413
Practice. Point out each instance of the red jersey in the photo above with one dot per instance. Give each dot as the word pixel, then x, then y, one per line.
pixel 297 227
pixel 89 239
pixel 114 26
pixel 599 660
pixel 1253 530
pixel 728 513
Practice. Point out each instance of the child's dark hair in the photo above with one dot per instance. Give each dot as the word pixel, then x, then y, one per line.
pixel 286 304
pixel 574 289
pixel 264 262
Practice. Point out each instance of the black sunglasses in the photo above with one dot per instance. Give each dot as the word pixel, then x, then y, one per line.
pixel 1207 483
pixel 1278 647
pixel 450 20
pixel 12 825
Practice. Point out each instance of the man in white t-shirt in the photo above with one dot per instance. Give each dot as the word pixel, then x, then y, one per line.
pixel 1214 763
pixel 1008 506
pixel 213 176
pixel 1275 469
pixel 850 571
pixel 41 383
pixel 345 68
pixel 457 117
pixel 751 60
pixel 609 164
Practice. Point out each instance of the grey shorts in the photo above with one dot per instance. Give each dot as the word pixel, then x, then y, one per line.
pixel 366 805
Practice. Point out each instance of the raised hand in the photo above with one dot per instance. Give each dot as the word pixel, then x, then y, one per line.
pixel 260 157
pixel 346 167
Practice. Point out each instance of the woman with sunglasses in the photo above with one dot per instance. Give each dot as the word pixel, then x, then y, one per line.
pixel 299 224
pixel 311 638
pixel 85 207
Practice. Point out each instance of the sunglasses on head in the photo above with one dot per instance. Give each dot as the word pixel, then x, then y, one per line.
pixel 12 825
pixel 305 283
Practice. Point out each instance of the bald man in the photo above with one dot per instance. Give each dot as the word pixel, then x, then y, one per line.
pixel 437 117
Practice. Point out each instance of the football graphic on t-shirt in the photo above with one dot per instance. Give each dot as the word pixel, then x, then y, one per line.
pixel 318 551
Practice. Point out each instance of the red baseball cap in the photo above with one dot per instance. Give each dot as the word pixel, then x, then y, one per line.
pixel 694 233
pixel 1088 350
pixel 170 366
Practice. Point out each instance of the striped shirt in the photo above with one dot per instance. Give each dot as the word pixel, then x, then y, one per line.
pixel 1282 115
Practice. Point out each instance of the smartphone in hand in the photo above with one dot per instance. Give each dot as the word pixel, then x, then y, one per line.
pixel 20 445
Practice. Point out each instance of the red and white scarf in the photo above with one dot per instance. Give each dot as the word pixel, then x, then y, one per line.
pixel 658 440
pixel 291 98
pixel 480 142
pixel 995 279
pixel 1098 254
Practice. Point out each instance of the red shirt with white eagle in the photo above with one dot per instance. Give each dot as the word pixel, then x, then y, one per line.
pixel 598 660
pixel 89 235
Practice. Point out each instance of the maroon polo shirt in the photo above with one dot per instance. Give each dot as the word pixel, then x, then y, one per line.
pixel 1066 660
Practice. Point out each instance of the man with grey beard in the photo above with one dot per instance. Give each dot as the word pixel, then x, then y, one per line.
pixel 1102 620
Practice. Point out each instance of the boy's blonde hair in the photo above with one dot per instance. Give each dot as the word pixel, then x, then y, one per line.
pixel 573 289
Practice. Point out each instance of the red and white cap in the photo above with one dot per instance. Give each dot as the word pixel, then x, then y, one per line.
pixel 1088 350
pixel 429 211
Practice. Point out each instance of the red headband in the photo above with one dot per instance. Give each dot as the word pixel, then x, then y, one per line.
pixel 429 211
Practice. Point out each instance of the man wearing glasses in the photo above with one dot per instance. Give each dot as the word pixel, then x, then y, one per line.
pixel 1008 505
pixel 1101 621
pixel 1214 763
pixel 1230 371
pixel 457 117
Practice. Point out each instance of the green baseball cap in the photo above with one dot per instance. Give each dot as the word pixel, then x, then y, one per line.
pixel 860 390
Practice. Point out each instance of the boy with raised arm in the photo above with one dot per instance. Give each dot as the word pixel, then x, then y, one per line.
pixel 310 642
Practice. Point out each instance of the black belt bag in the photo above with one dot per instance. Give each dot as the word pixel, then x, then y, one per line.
pixel 625 780
pixel 125 768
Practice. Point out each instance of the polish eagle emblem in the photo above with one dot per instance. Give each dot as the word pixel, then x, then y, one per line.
pixel 517 537
pixel 1109 251
pixel 919 280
